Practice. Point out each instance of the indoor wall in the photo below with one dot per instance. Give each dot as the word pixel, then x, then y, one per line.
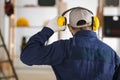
pixel 37 16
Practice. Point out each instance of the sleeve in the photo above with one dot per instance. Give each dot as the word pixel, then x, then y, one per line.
pixel 117 68
pixel 36 53
pixel 118 72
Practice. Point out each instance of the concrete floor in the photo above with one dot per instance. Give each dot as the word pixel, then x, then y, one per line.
pixel 36 74
pixel 42 72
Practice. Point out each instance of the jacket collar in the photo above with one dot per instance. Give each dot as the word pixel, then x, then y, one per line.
pixel 86 33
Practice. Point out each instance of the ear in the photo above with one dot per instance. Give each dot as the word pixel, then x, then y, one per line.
pixel 70 28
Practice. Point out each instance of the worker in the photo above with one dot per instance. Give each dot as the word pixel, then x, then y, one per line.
pixel 82 57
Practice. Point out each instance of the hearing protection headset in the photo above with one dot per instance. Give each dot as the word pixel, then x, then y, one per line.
pixel 62 21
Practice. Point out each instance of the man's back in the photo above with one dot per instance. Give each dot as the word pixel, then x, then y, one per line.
pixel 87 59
pixel 82 57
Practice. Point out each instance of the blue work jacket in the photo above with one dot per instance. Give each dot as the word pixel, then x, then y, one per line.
pixel 82 57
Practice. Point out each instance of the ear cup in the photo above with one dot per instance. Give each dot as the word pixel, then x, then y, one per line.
pixel 95 23
pixel 61 21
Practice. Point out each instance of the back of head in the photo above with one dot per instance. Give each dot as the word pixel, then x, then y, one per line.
pixel 80 17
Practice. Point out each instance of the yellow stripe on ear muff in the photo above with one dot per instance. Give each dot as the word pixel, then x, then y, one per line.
pixel 95 23
pixel 61 21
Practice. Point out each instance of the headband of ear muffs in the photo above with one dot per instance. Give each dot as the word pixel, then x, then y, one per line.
pixel 62 21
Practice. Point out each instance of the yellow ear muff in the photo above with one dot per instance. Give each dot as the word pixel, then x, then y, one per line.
pixel 95 23
pixel 61 21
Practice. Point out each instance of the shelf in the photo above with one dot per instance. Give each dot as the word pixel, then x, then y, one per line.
pixel 35 6
pixel 34 26
pixel 28 32
pixel 36 15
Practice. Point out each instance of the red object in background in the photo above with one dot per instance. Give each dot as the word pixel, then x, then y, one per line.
pixel 9 9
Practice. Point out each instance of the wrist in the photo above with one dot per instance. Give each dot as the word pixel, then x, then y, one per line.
pixel 50 28
pixel 47 30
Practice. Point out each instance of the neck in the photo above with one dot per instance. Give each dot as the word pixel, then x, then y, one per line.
pixel 80 29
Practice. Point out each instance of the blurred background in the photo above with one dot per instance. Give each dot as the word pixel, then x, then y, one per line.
pixel 20 19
